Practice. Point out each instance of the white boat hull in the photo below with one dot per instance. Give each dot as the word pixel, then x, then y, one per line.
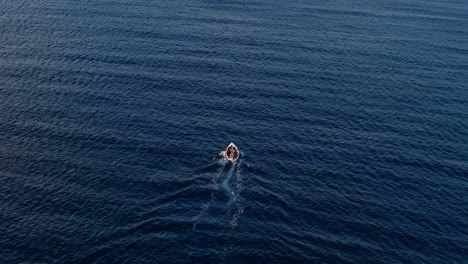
pixel 231 153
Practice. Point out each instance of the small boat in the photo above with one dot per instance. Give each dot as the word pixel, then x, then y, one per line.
pixel 231 153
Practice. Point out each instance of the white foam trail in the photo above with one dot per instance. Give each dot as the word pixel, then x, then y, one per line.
pixel 239 200
pixel 232 189
pixel 205 207
pixel 226 186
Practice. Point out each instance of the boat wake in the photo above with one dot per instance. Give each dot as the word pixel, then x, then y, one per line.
pixel 238 199
pixel 226 193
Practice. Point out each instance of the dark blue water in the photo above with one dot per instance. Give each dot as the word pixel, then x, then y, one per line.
pixel 352 117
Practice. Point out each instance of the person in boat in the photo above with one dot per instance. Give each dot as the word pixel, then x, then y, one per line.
pixel 230 152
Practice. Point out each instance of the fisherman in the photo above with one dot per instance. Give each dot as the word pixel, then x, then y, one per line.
pixel 234 153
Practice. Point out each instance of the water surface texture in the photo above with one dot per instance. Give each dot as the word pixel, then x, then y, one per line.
pixel 352 117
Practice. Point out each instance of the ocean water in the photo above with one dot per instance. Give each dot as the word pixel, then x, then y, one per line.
pixel 351 116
